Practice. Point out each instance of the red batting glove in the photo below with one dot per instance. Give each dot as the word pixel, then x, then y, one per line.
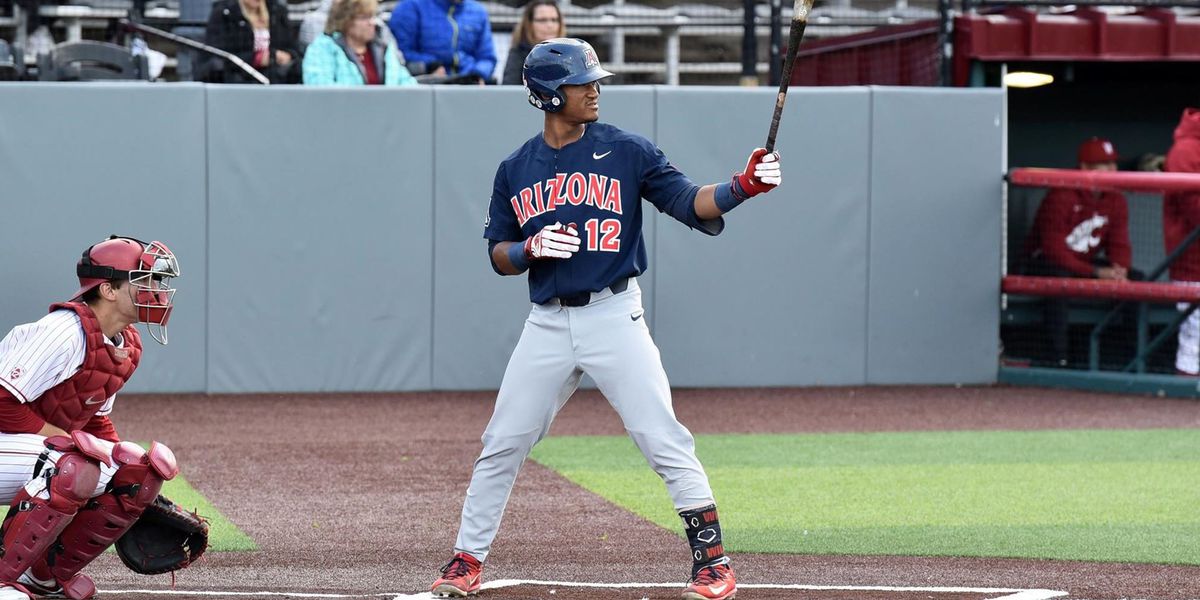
pixel 762 173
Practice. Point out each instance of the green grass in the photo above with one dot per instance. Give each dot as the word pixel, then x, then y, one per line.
pixel 223 535
pixel 1104 495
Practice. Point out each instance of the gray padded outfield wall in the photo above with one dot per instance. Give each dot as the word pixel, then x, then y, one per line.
pixel 79 162
pixel 780 297
pixel 934 254
pixel 330 240
pixel 320 241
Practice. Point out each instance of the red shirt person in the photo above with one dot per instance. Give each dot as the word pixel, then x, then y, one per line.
pixel 1073 226
pixel 1181 214
pixel 1181 210
pixel 1071 229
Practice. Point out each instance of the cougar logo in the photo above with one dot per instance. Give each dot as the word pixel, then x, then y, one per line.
pixel 1083 238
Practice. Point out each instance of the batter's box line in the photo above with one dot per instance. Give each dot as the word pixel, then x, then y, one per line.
pixel 1006 593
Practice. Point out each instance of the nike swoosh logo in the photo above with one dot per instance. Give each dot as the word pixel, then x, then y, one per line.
pixel 93 400
pixel 636 317
pixel 717 589
pixel 600 156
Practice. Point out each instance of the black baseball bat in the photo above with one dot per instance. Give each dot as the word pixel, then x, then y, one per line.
pixel 800 12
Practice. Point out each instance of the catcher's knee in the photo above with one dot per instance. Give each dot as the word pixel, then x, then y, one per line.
pixel 72 479
pixel 140 474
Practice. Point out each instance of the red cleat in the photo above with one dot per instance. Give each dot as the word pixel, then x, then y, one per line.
pixel 461 577
pixel 712 583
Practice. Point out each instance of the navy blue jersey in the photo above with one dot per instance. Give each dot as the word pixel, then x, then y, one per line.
pixel 597 183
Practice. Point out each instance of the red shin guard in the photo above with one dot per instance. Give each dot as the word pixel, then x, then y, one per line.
pixel 33 523
pixel 108 516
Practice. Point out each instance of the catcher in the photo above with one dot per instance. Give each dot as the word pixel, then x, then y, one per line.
pixel 74 488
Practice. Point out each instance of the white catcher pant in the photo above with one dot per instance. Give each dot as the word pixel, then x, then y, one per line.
pixel 18 454
pixel 560 344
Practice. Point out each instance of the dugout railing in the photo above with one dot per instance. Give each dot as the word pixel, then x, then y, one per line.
pixel 1133 374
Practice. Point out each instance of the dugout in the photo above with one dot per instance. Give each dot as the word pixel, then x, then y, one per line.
pixel 1137 106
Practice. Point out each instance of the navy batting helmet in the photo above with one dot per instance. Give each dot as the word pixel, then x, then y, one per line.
pixel 558 62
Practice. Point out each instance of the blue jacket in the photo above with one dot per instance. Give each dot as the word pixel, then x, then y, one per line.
pixel 455 33
pixel 328 61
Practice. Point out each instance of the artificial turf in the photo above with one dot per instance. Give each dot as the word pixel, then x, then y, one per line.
pixel 1103 495
pixel 223 535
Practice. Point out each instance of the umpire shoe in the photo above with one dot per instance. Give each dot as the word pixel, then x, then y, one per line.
pixel 711 583
pixel 461 577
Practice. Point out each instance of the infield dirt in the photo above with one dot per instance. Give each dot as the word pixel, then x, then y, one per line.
pixel 360 493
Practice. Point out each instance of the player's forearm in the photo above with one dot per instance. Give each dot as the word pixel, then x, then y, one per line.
pixel 706 204
pixel 501 257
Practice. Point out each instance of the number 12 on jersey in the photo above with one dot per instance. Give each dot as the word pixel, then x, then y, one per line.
pixel 604 236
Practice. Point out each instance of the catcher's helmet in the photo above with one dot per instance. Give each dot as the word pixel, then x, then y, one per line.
pixel 558 62
pixel 1097 150
pixel 149 267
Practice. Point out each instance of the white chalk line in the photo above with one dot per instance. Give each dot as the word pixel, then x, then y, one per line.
pixel 1006 593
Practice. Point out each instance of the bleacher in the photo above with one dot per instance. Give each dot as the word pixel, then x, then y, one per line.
pixel 657 42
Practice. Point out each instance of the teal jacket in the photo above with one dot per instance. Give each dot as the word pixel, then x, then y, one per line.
pixel 328 61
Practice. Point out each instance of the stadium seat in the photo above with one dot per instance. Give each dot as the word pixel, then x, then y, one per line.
pixel 91 61
pixel 193 18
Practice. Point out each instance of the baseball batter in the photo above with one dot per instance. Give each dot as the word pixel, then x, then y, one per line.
pixel 566 207
pixel 72 485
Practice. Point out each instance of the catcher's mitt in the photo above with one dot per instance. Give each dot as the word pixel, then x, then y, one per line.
pixel 164 539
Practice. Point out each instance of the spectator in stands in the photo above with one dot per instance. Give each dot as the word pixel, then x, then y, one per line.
pixel 1181 215
pixel 1070 230
pixel 312 26
pixel 258 32
pixel 540 21
pixel 445 37
pixel 352 52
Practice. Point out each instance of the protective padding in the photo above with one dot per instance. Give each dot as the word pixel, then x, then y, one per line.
pixel 71 404
pixel 34 523
pixel 703 530
pixel 91 445
pixel 99 524
pixel 80 587
pixel 555 63
pixel 162 460
pixel 128 453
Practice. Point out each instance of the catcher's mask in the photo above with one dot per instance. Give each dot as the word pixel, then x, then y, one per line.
pixel 558 62
pixel 148 267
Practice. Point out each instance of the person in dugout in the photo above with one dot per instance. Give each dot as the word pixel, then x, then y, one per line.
pixel 1079 233
pixel 1181 215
